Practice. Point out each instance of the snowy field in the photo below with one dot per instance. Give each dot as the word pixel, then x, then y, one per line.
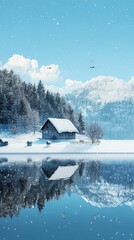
pixel 18 145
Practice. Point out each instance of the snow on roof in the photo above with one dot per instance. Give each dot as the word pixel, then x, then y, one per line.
pixel 62 125
pixel 64 172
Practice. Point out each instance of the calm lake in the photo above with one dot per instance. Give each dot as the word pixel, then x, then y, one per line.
pixel 66 199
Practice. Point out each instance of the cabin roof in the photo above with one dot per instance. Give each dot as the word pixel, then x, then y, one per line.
pixel 62 125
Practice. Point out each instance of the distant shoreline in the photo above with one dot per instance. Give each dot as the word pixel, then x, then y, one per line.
pixel 66 153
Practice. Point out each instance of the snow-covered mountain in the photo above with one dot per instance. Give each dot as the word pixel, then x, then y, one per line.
pixel 131 82
pixel 107 100
pixel 102 90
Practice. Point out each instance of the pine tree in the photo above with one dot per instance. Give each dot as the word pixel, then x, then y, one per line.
pixel 34 120
pixel 81 124
pixel 4 110
pixel 41 100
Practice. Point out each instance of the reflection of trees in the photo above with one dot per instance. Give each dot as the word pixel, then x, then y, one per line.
pixel 95 168
pixel 26 185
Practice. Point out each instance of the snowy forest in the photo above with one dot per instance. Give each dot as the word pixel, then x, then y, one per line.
pixel 25 107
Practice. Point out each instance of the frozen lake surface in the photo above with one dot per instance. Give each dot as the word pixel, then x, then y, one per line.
pixel 66 199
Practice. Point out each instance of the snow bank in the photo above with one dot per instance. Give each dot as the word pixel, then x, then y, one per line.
pixel 18 145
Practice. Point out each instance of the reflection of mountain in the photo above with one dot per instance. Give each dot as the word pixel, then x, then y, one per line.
pixel 107 184
pixel 102 184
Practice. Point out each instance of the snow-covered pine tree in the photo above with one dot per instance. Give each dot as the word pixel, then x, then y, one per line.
pixel 81 124
pixel 19 99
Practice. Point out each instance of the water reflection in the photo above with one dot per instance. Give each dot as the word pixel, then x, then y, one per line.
pixel 29 184
pixel 107 184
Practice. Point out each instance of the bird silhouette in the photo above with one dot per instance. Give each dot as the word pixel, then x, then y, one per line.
pixel 92 67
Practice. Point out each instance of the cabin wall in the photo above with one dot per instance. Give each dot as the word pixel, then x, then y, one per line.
pixel 67 135
pixel 49 132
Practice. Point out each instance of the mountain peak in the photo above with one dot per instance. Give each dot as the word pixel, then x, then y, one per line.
pixel 104 89
pixel 109 101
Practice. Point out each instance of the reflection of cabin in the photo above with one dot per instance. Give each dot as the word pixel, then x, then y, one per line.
pixel 64 172
pixel 57 128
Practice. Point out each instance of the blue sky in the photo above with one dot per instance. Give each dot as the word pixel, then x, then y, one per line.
pixel 70 35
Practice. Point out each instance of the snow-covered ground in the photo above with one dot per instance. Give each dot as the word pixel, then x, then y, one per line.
pixel 18 144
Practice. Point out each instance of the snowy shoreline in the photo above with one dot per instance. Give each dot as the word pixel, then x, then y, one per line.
pixel 18 145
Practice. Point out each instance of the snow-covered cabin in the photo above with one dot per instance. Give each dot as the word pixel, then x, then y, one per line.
pixel 57 128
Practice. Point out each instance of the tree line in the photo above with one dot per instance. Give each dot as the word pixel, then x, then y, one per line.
pixel 25 106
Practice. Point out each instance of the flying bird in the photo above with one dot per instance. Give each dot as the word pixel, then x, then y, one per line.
pixel 49 67
pixel 92 67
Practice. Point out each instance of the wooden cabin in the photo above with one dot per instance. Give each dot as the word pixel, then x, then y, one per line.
pixel 57 128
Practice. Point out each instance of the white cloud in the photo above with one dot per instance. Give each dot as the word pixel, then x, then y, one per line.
pixel 71 85
pixel 68 87
pixel 29 69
